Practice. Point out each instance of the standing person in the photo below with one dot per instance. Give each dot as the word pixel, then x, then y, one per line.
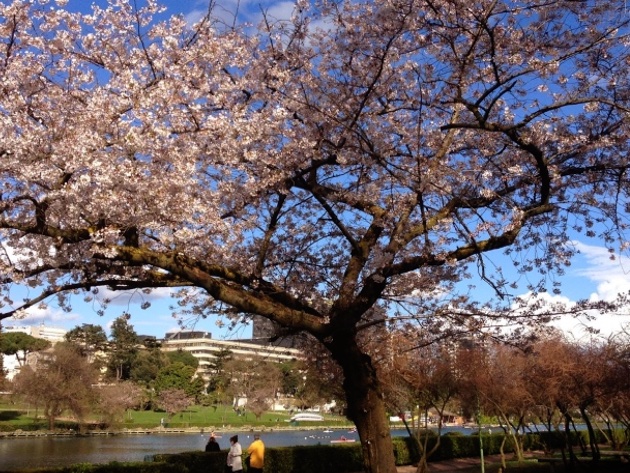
pixel 256 450
pixel 235 455
pixel 212 445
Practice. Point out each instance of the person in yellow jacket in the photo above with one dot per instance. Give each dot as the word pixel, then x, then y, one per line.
pixel 256 452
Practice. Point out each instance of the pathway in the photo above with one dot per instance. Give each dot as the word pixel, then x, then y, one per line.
pixel 452 465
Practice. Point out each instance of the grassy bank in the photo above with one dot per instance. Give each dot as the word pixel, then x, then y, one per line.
pixel 24 417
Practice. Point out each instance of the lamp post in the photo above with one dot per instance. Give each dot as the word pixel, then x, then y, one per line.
pixel 483 466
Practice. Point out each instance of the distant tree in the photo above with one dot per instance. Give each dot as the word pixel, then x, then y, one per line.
pixel 219 377
pixel 260 404
pixel 587 381
pixel 427 379
pixel 619 409
pixel 146 366
pixel 63 379
pixel 291 377
pixel 115 399
pixel 263 386
pixel 21 344
pixel 613 405
pixel 506 394
pixel 174 400
pixel 182 356
pixel 89 337
pixel 320 379
pixel 545 376
pixel 256 381
pixel 123 348
pixel 177 375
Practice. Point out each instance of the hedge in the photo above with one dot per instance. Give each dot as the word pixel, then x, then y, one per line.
pixel 114 467
pixel 345 458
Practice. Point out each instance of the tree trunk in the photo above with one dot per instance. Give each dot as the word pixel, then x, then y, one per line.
pixel 49 413
pixel 512 431
pixel 366 407
pixel 501 450
pixel 591 435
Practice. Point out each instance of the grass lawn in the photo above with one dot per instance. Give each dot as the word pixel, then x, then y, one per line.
pixel 23 417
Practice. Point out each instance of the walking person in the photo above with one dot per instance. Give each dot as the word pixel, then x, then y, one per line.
pixel 235 455
pixel 256 451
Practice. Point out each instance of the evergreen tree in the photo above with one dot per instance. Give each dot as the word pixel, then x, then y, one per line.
pixel 123 348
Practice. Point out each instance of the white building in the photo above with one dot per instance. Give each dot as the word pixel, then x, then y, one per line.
pixel 52 334
pixel 205 348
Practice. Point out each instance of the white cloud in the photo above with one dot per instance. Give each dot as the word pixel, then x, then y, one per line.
pixel 610 275
pixel 573 326
pixel 601 276
pixel 131 298
pixel 281 11
pixel 44 315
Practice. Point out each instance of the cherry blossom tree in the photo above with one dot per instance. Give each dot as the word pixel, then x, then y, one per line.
pixel 363 158
pixel 114 400
pixel 174 400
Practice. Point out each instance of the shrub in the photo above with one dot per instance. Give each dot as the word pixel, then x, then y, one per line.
pixel 195 462
pixel 314 459
pixel 116 467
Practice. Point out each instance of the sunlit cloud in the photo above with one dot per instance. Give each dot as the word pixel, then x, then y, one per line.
pixel 603 279
pixel 281 11
pixel 611 275
pixel 43 315
pixel 131 298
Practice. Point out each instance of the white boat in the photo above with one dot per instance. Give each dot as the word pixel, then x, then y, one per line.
pixel 306 417
pixel 327 431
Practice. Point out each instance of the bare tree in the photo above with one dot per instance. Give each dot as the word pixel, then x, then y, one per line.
pixel 63 379
pixel 426 379
pixel 114 400
pixel 174 400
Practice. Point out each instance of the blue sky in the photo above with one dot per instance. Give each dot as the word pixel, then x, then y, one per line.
pixel 595 276
pixel 248 11
pixel 157 319
pixel 592 275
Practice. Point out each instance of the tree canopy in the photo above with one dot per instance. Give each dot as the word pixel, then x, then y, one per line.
pixel 358 161
pixel 89 338
pixel 21 344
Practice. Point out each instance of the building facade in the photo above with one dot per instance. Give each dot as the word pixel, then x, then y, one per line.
pixel 52 334
pixel 205 348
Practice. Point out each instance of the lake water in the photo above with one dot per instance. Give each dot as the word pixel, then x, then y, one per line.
pixel 33 452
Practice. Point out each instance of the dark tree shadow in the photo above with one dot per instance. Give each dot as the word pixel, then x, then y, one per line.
pixel 9 415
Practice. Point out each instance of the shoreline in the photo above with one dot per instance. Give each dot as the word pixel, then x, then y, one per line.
pixel 18 433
